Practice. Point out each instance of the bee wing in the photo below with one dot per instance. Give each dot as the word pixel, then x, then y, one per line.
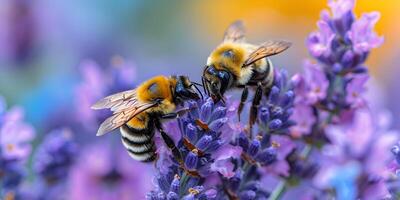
pixel 268 48
pixel 114 100
pixel 124 106
pixel 235 32
pixel 122 114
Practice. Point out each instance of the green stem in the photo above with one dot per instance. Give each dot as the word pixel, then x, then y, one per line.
pixel 278 191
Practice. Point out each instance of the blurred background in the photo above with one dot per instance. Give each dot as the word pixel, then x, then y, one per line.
pixel 58 57
pixel 43 42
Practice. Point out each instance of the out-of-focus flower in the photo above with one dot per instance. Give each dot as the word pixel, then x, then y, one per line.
pixel 98 83
pixel 364 144
pixel 355 90
pixel 362 33
pixel 18 31
pixel 55 156
pixel 104 174
pixel 15 147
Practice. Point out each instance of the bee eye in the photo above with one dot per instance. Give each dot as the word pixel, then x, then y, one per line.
pixel 223 74
pixel 211 70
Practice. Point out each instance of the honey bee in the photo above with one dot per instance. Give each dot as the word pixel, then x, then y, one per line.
pixel 238 64
pixel 139 112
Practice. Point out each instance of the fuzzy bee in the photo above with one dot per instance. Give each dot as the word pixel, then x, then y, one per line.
pixel 139 112
pixel 238 64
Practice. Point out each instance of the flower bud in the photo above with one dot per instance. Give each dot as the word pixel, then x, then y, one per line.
pixel 254 148
pixel 243 141
pixel 175 184
pixel 247 195
pixel 275 124
pixel 191 132
pixel 217 124
pixel 267 156
pixel 172 196
pixel 191 160
pixel 264 115
pixel 276 112
pixel 205 111
pixel 288 98
pixel 348 59
pixel 204 142
pixel 337 68
pixel 274 95
pixel 218 113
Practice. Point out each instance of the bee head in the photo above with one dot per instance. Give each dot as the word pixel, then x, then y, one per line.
pixel 184 89
pixel 216 82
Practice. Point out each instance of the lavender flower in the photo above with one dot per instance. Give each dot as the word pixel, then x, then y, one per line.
pixel 55 156
pixel 15 138
pixel 98 83
pixel 103 173
pixel 204 144
pixel 358 152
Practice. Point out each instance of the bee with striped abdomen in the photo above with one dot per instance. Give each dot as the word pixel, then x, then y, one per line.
pixel 139 112
pixel 238 64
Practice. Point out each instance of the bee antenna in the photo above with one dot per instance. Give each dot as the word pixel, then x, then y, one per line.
pixel 202 97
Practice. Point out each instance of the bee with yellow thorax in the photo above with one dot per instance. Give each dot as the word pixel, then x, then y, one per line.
pixel 139 112
pixel 238 64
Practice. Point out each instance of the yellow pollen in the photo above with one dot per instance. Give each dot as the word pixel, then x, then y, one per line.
pixel 275 144
pixel 195 151
pixel 9 196
pixel 10 147
pixel 259 137
pixel 177 176
pixel 193 191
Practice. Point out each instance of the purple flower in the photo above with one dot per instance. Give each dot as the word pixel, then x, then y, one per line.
pixel 304 117
pixel 340 7
pixel 315 81
pixel 364 143
pixel 223 156
pixel 362 33
pixel 105 173
pixel 98 83
pixel 355 90
pixel 55 156
pixel 319 43
pixel 15 136
pixel 15 147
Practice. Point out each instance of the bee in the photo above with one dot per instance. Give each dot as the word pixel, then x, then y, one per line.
pixel 139 112
pixel 238 64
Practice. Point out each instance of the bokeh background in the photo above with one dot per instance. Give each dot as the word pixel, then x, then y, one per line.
pixel 43 42
pixel 45 46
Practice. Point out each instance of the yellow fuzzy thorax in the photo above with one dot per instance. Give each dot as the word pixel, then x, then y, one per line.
pixel 234 63
pixel 140 121
pixel 157 87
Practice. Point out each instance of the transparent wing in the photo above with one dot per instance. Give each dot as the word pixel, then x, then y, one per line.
pixel 268 48
pixel 121 117
pixel 235 32
pixel 114 100
pixel 124 106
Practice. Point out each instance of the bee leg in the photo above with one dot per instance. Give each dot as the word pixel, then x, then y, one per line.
pixel 245 94
pixel 254 105
pixel 169 116
pixel 170 143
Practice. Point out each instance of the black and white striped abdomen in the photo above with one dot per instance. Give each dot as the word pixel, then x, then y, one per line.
pixel 139 142
pixel 269 70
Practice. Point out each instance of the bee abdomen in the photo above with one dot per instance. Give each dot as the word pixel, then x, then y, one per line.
pixel 139 143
